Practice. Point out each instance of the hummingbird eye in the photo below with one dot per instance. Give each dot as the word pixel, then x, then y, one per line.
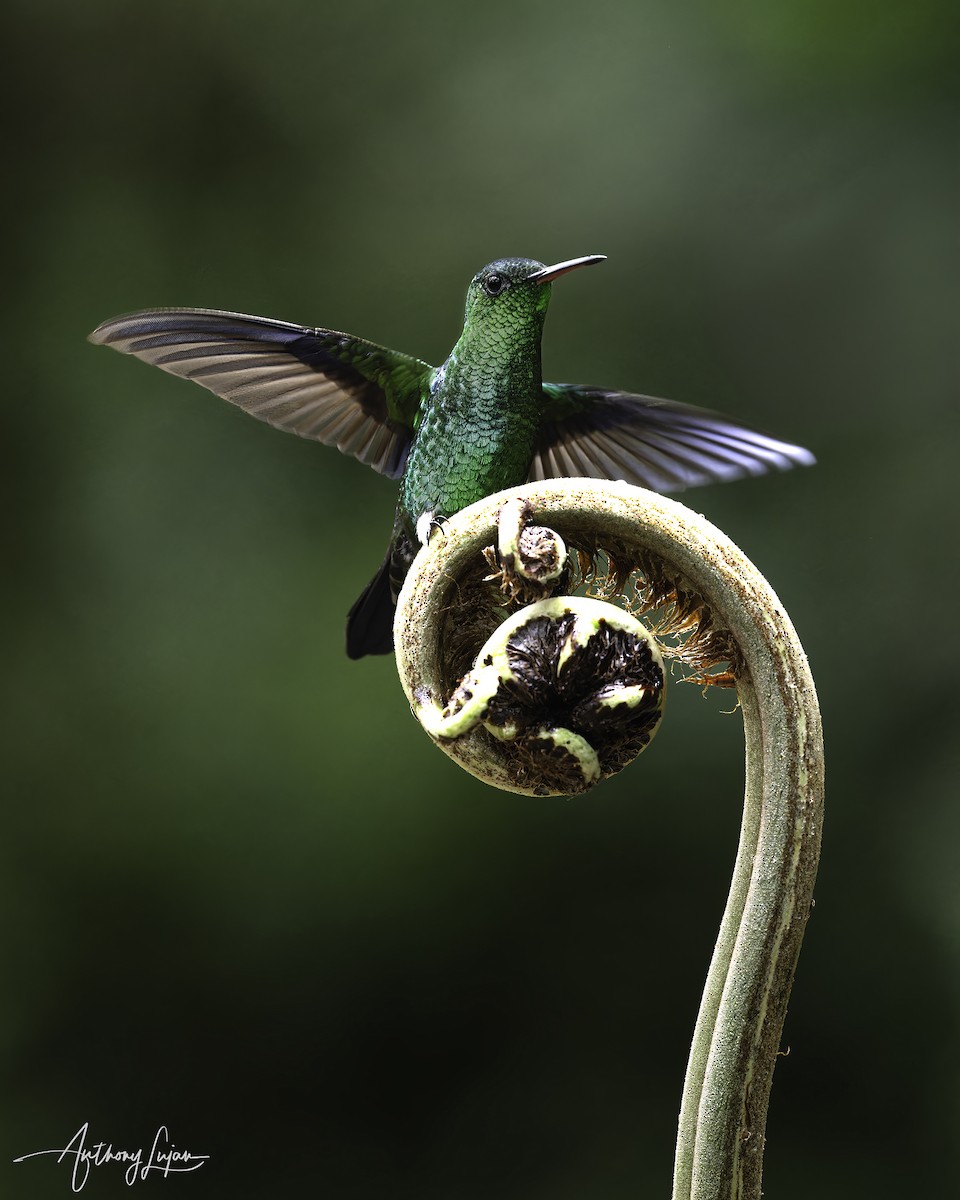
pixel 494 284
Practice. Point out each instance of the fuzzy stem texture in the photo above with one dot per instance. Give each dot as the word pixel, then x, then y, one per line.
pixel 737 1034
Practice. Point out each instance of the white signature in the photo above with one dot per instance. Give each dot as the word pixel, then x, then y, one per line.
pixel 162 1157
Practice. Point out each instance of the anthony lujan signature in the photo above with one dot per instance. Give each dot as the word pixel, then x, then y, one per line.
pixel 163 1157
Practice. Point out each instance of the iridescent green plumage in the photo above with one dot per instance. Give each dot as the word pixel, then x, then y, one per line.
pixel 481 422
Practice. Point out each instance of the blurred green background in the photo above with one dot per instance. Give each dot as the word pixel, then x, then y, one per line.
pixel 326 957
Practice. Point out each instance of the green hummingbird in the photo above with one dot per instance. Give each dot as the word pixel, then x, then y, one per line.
pixel 453 434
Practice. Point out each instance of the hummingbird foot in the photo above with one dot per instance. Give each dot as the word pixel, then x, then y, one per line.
pixel 427 522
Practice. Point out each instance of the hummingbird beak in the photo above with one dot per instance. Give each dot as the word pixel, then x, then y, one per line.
pixel 547 274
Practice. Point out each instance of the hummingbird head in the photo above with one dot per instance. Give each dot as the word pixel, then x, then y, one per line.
pixel 516 290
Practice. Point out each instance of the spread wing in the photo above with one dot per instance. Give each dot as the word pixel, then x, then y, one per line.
pixel 657 444
pixel 317 383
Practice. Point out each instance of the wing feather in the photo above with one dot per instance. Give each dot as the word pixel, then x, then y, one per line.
pixel 316 383
pixel 653 443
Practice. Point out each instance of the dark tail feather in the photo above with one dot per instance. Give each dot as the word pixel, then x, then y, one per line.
pixel 370 621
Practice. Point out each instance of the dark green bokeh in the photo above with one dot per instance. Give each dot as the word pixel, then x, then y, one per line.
pixel 319 952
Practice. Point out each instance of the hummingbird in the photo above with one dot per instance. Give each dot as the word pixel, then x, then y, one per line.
pixel 482 421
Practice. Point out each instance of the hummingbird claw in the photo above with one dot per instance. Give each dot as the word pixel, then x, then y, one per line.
pixel 427 522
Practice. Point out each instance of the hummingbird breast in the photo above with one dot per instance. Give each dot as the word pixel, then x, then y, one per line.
pixel 470 442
